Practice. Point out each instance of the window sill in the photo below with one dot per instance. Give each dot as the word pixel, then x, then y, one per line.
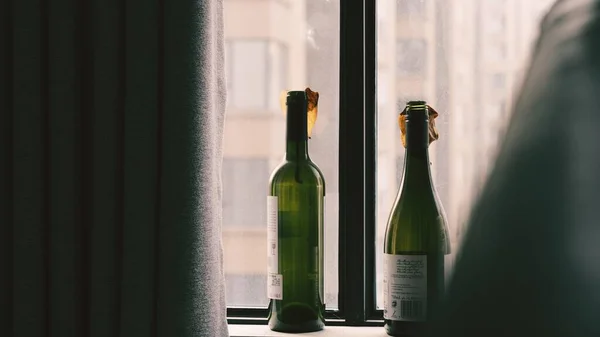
pixel 238 330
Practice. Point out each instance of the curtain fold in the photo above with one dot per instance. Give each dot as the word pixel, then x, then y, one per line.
pixel 111 131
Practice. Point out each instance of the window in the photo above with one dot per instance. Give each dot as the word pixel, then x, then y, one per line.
pixel 411 7
pixel 497 51
pixel 471 115
pixel 411 56
pixel 272 46
pixel 246 289
pixel 242 177
pixel 498 81
pixel 256 70
pixel 317 43
pixel 496 23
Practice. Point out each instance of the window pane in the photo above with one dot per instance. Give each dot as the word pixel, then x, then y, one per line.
pixel 242 177
pixel 466 59
pixel 249 289
pixel 278 73
pixel 411 7
pixel 411 56
pixel 271 46
pixel 249 61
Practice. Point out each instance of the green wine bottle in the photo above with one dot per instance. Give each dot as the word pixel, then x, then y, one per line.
pixel 416 237
pixel 295 208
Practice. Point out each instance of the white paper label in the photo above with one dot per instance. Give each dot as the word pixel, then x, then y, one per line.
pixel 272 241
pixel 405 287
pixel 275 286
pixel 275 280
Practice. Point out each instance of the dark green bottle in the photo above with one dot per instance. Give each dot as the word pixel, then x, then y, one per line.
pixel 295 230
pixel 416 238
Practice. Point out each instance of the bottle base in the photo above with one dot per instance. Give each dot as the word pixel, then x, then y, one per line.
pixel 404 329
pixel 296 317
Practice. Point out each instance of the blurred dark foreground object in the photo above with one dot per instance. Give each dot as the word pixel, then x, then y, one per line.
pixel 530 262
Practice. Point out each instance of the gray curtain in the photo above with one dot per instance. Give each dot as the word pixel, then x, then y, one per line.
pixel 530 264
pixel 110 158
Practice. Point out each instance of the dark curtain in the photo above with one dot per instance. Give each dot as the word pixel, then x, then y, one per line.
pixel 110 158
pixel 530 263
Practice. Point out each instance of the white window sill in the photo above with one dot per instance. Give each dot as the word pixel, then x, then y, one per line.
pixel 238 330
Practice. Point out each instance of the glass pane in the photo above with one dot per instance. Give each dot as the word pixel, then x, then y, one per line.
pixel 466 59
pixel 249 62
pixel 278 62
pixel 271 46
pixel 241 207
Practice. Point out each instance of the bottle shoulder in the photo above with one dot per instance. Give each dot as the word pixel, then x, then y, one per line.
pixel 425 205
pixel 297 171
pixel 417 224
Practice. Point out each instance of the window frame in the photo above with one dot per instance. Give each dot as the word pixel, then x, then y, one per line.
pixel 357 298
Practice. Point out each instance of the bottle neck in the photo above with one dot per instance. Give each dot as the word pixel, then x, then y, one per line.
pixel 296 150
pixel 296 132
pixel 417 170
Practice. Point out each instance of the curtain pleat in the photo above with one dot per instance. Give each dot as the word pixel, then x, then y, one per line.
pixel 106 234
pixel 6 169
pixel 29 161
pixel 64 176
pixel 196 79
pixel 142 165
pixel 111 129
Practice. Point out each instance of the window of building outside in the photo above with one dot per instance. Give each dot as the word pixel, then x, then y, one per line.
pixel 242 177
pixel 295 45
pixel 411 56
pixel 496 23
pixel 411 7
pixel 503 109
pixel 256 70
pixel 497 52
pixel 498 81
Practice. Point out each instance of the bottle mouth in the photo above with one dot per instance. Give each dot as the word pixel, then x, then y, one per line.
pixel 414 104
pixel 416 109
pixel 295 96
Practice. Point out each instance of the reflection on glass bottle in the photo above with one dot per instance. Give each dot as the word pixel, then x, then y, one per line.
pixel 416 237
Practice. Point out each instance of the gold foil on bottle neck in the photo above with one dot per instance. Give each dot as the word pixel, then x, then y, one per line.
pixel 433 133
pixel 312 108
